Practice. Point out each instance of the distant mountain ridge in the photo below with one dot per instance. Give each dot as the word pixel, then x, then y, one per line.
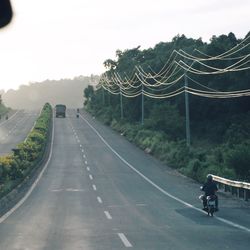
pixel 34 95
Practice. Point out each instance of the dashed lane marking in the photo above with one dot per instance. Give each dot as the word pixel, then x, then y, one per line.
pixel 228 222
pixel 109 217
pixel 124 240
pixel 99 199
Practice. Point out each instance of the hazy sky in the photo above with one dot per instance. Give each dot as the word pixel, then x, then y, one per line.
pixel 53 39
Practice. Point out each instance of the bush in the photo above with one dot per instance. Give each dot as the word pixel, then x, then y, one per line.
pixel 14 167
pixel 239 160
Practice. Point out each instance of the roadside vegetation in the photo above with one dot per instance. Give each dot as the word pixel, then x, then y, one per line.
pixel 220 128
pixel 15 167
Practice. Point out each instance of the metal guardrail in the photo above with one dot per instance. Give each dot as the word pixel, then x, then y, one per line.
pixel 238 188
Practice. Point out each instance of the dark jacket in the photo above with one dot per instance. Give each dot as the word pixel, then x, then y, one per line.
pixel 209 188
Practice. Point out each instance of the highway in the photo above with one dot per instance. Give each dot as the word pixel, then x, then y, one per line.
pixel 100 192
pixel 14 130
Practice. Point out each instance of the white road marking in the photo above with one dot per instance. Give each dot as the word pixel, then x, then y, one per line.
pixel 94 187
pixel 90 177
pixel 109 217
pixel 30 131
pixel 83 150
pixel 84 156
pixel 56 190
pixel 80 145
pixel 117 206
pixel 86 162
pixel 12 210
pixel 124 240
pixel 74 190
pixel 99 199
pixel 88 169
pixel 228 222
pixel 141 205
pixel 9 118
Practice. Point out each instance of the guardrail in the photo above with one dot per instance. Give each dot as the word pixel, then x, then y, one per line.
pixel 237 188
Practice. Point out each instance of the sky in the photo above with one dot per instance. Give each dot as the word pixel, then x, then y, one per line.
pixel 55 39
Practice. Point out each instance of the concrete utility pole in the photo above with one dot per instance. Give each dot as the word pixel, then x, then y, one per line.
pixel 187 112
pixel 142 105
pixel 103 97
pixel 121 104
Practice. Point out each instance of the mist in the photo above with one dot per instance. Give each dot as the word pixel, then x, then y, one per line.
pixel 34 95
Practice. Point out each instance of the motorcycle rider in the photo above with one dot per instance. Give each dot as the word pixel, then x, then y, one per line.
pixel 209 188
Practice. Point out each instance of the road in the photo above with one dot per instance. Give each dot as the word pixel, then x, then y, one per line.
pixel 100 192
pixel 15 129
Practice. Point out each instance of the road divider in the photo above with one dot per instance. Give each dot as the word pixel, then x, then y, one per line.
pixel 21 166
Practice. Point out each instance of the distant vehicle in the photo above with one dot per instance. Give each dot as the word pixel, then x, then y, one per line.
pixel 60 110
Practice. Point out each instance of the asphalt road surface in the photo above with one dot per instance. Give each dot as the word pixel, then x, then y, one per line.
pixel 14 130
pixel 100 192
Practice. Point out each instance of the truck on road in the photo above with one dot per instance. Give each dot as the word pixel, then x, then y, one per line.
pixel 61 110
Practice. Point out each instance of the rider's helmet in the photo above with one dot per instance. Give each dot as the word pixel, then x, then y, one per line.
pixel 209 177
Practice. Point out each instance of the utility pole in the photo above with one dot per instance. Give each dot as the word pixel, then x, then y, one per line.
pixel 103 97
pixel 108 98
pixel 142 105
pixel 121 105
pixel 187 112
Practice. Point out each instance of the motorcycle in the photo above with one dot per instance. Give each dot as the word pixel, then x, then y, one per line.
pixel 211 201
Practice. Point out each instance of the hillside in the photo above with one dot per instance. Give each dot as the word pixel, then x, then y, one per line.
pixel 34 95
pixel 215 77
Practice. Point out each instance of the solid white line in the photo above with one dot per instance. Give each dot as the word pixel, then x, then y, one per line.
pixel 2 123
pixel 228 222
pixel 109 217
pixel 99 199
pixel 94 187
pixel 88 169
pixel 30 131
pixel 124 240
pixel 90 177
pixel 12 210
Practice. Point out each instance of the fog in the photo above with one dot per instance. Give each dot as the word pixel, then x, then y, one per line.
pixel 34 95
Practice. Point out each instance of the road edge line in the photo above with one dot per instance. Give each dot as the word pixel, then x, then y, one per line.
pixel 228 222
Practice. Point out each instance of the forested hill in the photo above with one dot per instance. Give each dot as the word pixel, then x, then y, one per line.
pixel 34 95
pixel 218 78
